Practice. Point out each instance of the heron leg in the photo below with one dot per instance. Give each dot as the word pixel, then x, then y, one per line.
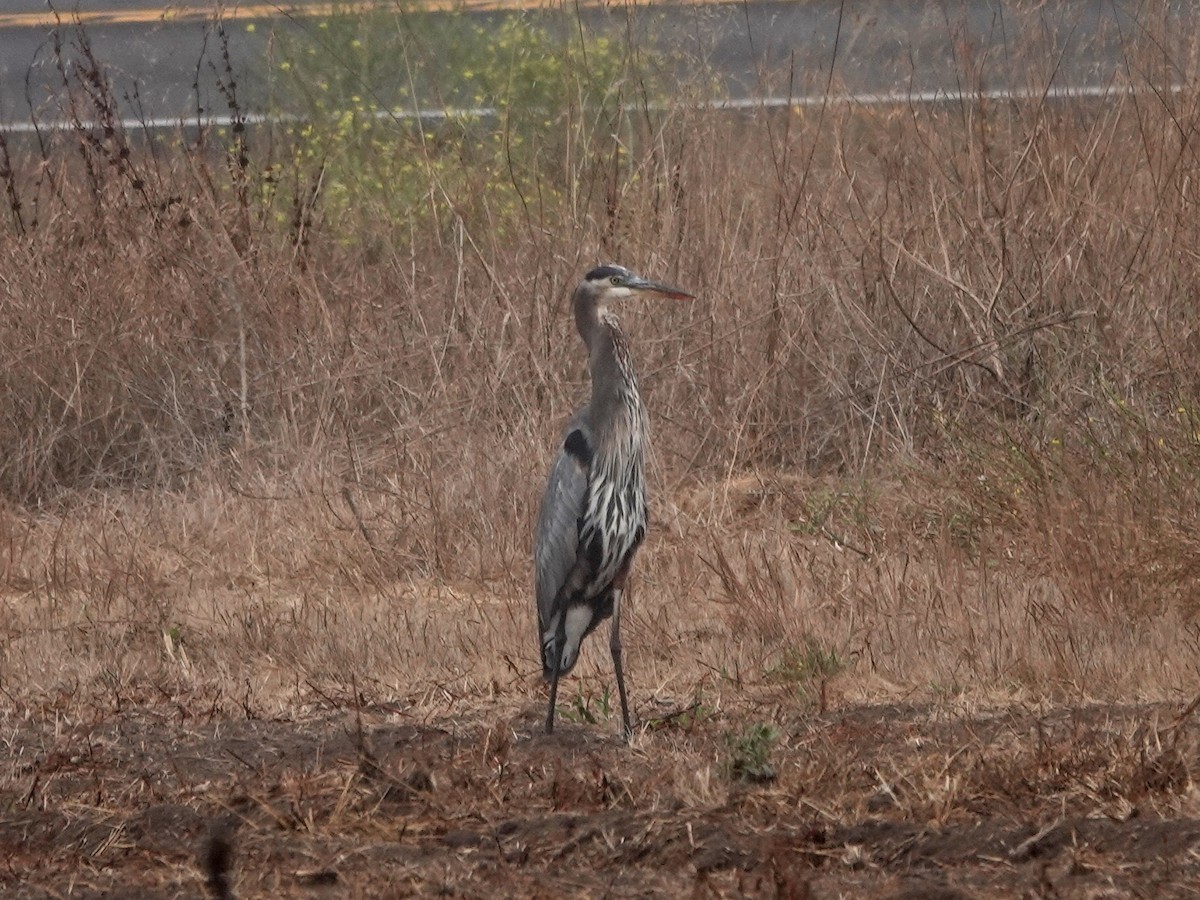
pixel 560 642
pixel 614 644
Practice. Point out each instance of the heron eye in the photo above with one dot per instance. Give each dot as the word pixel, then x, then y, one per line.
pixel 616 279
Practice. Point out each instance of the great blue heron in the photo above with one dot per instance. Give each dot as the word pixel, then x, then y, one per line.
pixel 593 514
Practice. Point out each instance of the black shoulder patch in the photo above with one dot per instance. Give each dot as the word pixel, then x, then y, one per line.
pixel 577 446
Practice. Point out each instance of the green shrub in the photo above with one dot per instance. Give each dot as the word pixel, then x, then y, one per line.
pixel 509 108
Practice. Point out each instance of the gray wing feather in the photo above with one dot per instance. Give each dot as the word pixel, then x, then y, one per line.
pixel 556 543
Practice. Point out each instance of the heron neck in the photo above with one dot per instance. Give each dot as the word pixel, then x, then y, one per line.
pixel 614 384
pixel 587 320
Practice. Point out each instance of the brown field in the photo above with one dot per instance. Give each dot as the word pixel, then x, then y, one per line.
pixel 919 615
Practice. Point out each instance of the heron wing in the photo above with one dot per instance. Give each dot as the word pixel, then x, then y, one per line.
pixel 556 543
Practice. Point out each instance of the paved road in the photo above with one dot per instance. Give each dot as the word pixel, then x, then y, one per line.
pixel 163 60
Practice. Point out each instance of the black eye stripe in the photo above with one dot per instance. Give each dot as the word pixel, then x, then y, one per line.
pixel 602 272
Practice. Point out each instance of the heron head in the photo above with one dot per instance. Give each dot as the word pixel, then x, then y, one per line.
pixel 611 283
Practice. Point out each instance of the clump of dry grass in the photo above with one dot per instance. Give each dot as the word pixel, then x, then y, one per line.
pixel 933 418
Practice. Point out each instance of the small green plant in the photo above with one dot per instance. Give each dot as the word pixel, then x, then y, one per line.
pixel 684 719
pixel 588 708
pixel 748 753
pixel 811 664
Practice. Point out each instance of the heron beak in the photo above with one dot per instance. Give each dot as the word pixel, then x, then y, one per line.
pixel 662 290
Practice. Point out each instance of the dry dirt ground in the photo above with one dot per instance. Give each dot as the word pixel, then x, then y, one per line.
pixel 935 800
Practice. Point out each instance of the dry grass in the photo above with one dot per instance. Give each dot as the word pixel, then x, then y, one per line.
pixel 929 435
